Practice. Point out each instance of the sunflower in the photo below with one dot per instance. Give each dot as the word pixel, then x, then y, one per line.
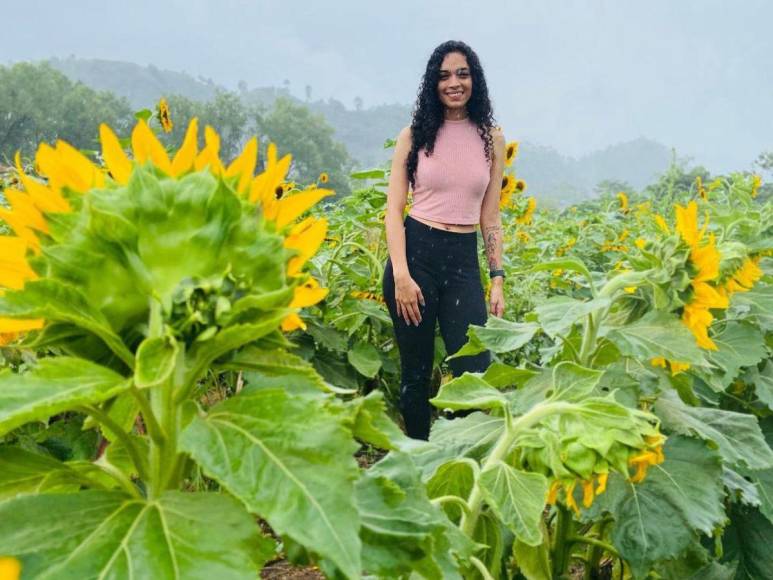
pixel 705 259
pixel 623 199
pixel 323 177
pixel 506 191
pixel 743 278
pixel 676 367
pixel 716 184
pixel 522 236
pixel 662 224
pixel 163 116
pixel 511 150
pixel 756 184
pixel 69 173
pixel 367 296
pixel 700 189
pixel 562 250
pixel 591 488
pixel 528 214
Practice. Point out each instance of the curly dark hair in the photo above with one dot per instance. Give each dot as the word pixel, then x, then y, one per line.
pixel 428 111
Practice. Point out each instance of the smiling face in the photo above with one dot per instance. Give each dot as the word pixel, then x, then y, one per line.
pixel 455 84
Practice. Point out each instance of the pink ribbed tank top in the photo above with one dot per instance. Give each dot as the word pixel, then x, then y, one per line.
pixel 451 182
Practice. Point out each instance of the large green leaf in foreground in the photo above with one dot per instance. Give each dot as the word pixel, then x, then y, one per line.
pixel 518 499
pixel 102 534
pixel 289 461
pixel 737 435
pixel 401 530
pixel 657 334
pixel 747 543
pixel 22 471
pixel 659 518
pixel 54 385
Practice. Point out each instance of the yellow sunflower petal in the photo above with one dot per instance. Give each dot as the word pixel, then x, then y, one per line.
pixel 678 367
pixel 603 477
pixel 15 325
pixel 662 224
pixel 658 361
pixel 186 156
pixel 10 568
pixel 25 210
pixel 748 273
pixel 292 206
pixel 65 166
pixel 291 322
pixel 20 228
pixel 706 258
pixel 706 296
pixel 210 155
pixel 306 237
pixel 82 173
pixel 308 294
pixel 553 492
pixel 687 222
pixel 147 147
pixel 46 199
pixel 14 268
pixel 244 165
pixel 587 493
pixel 116 160
pixel 698 320
pixel 570 503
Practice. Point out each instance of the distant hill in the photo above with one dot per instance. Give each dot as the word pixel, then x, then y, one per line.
pixel 142 85
pixel 549 174
pixel 566 180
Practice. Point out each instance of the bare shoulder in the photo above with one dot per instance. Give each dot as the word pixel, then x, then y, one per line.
pixel 498 135
pixel 405 134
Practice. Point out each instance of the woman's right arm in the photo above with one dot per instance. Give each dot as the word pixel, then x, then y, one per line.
pixel 407 293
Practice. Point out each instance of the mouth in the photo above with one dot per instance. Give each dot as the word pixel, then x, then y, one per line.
pixel 455 94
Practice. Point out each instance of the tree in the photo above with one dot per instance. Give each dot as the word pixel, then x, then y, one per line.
pixel 611 187
pixel 295 129
pixel 226 113
pixel 765 161
pixel 40 104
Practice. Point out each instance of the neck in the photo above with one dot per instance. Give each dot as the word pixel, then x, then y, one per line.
pixel 456 116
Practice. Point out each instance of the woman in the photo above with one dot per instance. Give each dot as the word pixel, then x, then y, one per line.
pixel 453 158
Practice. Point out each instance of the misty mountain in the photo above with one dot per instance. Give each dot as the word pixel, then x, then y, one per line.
pixel 143 86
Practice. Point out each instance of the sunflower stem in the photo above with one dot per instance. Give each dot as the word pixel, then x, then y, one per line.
pixel 131 448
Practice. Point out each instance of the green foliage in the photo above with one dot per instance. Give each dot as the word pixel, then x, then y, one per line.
pixel 293 127
pixel 38 103
pixel 153 289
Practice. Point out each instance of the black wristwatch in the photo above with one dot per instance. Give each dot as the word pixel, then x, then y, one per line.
pixel 492 273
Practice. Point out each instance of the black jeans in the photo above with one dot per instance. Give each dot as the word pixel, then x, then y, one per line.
pixel 445 266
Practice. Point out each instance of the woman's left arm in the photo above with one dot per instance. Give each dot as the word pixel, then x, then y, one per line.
pixel 491 224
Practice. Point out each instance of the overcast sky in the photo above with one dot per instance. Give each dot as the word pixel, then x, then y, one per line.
pixel 576 75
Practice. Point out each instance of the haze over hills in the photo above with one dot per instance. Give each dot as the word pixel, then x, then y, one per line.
pixel 549 174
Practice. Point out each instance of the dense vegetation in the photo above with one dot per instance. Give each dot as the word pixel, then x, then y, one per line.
pixel 196 357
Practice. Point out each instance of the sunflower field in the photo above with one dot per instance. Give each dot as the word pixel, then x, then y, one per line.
pixel 200 379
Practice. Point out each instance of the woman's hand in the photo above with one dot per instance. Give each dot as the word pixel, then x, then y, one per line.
pixel 497 297
pixel 408 296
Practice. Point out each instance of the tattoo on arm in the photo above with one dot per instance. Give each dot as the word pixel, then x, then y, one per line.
pixel 493 242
